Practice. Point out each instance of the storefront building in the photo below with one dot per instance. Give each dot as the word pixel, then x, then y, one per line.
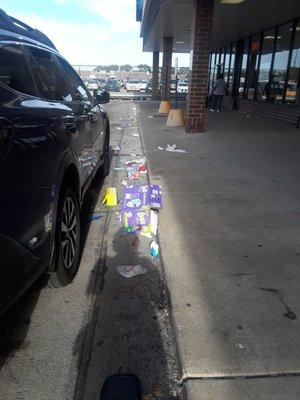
pixel 263 67
pixel 255 44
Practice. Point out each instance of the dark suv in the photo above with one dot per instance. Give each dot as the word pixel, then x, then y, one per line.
pixel 54 137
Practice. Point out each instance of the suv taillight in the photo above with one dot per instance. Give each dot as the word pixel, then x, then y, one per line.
pixel 6 136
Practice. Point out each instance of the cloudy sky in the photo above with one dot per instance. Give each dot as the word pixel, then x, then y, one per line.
pixel 97 32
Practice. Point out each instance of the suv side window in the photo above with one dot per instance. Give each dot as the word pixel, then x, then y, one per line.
pixel 81 93
pixel 50 81
pixel 14 70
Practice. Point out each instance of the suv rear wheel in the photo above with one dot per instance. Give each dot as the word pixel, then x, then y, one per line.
pixel 67 239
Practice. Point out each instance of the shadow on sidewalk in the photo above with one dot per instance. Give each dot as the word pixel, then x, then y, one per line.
pixel 128 330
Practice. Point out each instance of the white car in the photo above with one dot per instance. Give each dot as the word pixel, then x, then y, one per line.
pixel 92 84
pixel 132 84
pixel 143 86
pixel 182 87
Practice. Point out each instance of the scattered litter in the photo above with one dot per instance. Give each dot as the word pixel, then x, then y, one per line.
pixel 240 345
pixel 136 161
pixel 94 218
pixel 133 173
pixel 119 168
pixel 173 149
pixel 117 149
pixel 154 247
pixel 146 234
pixel 119 128
pixel 124 182
pixel 137 202
pixel 110 197
pixel 118 216
pixel 154 222
pixel 150 116
pixel 135 134
pixel 160 148
pixel 129 271
pixel 142 169
pixel 133 155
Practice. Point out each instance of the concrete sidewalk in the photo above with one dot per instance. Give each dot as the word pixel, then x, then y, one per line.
pixel 230 236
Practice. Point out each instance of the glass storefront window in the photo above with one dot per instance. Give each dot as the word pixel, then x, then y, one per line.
pixel 226 63
pixel 293 90
pixel 264 86
pixel 244 68
pixel 253 64
pixel 281 61
pixel 213 68
pixel 231 69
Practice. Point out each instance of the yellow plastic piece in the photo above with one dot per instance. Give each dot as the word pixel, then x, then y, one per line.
pixel 165 107
pixel 110 197
pixel 175 118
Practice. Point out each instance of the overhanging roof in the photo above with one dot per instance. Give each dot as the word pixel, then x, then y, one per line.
pixel 231 22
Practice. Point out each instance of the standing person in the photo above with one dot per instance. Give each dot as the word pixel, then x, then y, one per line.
pixel 218 92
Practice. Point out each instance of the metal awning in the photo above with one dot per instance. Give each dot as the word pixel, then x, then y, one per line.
pixel 231 21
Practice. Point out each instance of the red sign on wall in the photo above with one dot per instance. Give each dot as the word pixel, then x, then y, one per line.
pixel 255 46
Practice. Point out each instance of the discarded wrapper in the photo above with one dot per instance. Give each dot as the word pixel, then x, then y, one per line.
pixel 129 271
pixel 154 248
pixel 137 202
pixel 173 149
pixel 110 197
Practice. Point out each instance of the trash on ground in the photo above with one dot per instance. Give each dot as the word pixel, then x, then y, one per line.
pixel 154 222
pixel 173 148
pixel 154 248
pixel 110 197
pixel 129 271
pixel 150 116
pixel 160 148
pixel 116 149
pixel 135 134
pixel 124 182
pixel 133 155
pixel 119 168
pixel 94 218
pixel 136 161
pixel 142 169
pixel 133 173
pixel 137 202
pixel 119 128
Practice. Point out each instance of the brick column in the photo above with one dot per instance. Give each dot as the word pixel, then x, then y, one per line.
pixel 167 68
pixel 155 73
pixel 198 80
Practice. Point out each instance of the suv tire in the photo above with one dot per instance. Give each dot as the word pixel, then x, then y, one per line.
pixel 67 239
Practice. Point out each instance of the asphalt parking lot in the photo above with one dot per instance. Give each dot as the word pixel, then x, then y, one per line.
pixel 63 343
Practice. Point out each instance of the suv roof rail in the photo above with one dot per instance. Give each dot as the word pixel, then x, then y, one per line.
pixel 14 25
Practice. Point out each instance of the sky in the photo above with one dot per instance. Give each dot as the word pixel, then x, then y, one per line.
pixel 87 32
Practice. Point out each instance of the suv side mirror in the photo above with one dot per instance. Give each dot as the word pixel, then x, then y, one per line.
pixel 101 96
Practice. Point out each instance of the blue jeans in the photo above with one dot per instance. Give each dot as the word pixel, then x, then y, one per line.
pixel 217 101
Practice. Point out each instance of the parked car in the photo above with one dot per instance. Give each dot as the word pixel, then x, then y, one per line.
pixel 54 136
pixel 101 83
pixel 132 84
pixel 143 86
pixel 182 87
pixel 92 84
pixel 112 85
pixel 173 86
